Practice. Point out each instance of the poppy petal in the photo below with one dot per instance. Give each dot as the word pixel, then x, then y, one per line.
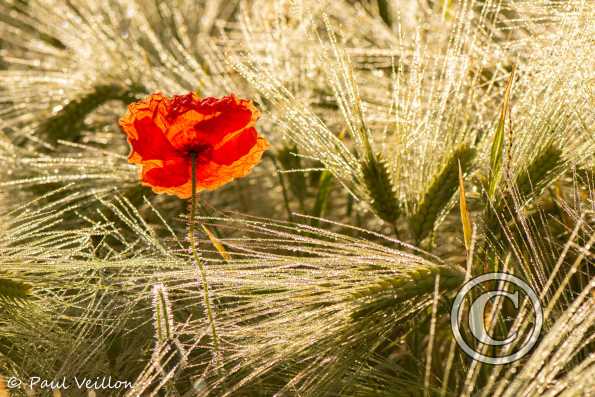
pixel 211 175
pixel 169 176
pixel 235 147
pixel 163 134
pixel 210 121
pixel 229 114
pixel 152 144
pixel 144 124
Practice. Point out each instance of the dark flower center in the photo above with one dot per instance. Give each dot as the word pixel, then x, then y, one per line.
pixel 197 150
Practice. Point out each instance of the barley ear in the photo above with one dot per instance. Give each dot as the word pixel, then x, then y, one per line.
pixel 384 11
pixel 66 123
pixel 14 291
pixel 540 173
pixel 169 355
pixel 439 193
pixel 380 187
pixel 527 186
pixel 386 293
pixel 162 315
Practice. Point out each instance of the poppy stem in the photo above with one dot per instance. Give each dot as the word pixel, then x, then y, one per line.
pixel 198 261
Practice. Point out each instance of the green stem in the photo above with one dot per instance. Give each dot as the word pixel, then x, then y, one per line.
pixel 198 261
pixel 396 231
pixel 283 188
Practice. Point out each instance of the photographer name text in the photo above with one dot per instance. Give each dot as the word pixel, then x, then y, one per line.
pixel 65 383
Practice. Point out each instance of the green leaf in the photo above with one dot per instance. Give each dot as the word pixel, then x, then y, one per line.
pixel 217 244
pixel 324 189
pixel 290 161
pixel 497 151
pixel 465 217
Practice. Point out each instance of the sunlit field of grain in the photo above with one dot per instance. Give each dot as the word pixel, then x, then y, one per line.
pixel 287 197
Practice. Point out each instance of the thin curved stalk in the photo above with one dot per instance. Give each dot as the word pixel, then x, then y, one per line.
pixel 198 261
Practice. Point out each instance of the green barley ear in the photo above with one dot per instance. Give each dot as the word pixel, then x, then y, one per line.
pixel 384 11
pixel 381 188
pixel 386 293
pixel 162 315
pixel 169 356
pixel 66 123
pixel 542 171
pixel 297 180
pixel 439 193
pixel 528 185
pixel 13 291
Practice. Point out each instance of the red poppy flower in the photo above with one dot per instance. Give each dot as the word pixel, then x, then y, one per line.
pixel 164 133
